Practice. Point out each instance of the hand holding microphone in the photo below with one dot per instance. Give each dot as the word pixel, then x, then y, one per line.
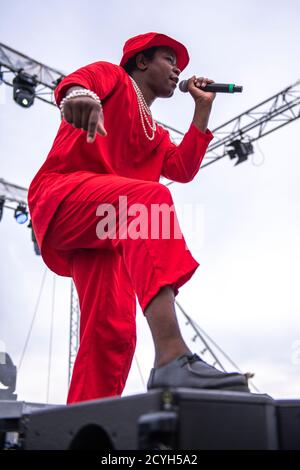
pixel 203 90
pixel 195 86
pixel 208 87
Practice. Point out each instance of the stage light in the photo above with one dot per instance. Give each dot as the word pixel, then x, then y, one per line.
pixel 21 214
pixel 24 89
pixel 240 150
pixel 2 201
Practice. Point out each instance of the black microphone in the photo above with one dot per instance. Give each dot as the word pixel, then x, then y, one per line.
pixel 214 87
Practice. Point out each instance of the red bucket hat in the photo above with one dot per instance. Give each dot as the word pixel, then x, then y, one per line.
pixel 144 41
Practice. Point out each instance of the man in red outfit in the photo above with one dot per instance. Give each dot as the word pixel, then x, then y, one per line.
pixel 109 147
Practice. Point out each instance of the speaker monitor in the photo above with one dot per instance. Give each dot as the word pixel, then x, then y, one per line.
pixel 160 419
pixel 288 416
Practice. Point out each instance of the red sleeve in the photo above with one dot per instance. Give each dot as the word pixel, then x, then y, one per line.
pixel 100 77
pixel 182 162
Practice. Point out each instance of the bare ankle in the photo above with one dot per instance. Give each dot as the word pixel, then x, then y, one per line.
pixel 164 358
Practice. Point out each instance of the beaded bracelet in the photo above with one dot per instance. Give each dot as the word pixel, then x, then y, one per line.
pixel 75 93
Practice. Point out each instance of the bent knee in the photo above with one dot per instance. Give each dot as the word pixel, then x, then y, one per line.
pixel 157 192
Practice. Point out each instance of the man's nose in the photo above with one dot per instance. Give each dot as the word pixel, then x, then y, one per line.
pixel 176 70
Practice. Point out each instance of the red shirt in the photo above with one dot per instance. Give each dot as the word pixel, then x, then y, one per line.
pixel 125 151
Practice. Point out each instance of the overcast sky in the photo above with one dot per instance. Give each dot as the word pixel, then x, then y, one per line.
pixel 245 294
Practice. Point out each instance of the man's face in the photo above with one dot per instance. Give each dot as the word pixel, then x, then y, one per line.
pixel 162 72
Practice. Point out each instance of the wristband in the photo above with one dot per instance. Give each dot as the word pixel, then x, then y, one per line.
pixel 76 93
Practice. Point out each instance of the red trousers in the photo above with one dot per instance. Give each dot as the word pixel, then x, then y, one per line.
pixel 109 274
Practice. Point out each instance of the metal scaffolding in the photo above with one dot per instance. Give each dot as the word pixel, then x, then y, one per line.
pixel 74 328
pixel 13 62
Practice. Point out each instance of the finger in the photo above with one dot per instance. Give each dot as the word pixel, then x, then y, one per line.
pixel 92 124
pixel 68 115
pixel 100 126
pixel 206 81
pixel 85 118
pixel 191 81
pixel 200 82
pixel 77 113
pixel 101 130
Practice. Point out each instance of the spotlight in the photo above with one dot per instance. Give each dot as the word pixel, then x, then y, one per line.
pixel 2 201
pixel 240 150
pixel 24 89
pixel 21 214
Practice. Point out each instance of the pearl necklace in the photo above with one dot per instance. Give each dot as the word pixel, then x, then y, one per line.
pixel 144 111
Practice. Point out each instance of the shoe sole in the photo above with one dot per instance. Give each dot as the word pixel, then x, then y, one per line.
pixel 240 386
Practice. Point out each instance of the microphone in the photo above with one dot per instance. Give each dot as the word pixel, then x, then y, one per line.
pixel 214 87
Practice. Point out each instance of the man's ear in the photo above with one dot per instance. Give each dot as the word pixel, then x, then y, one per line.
pixel 141 61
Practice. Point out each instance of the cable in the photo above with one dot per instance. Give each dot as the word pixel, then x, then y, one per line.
pixel 50 339
pixel 224 354
pixel 140 371
pixel 258 163
pixel 33 318
pixel 194 326
pixel 214 344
